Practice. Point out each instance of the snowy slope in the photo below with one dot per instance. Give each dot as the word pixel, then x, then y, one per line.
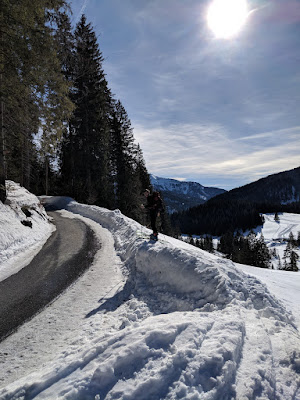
pixel 154 321
pixel 276 233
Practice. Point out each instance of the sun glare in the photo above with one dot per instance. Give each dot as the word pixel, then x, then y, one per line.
pixel 226 17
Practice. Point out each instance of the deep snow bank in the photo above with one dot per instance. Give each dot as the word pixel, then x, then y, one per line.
pixel 238 350
pixel 191 326
pixel 18 241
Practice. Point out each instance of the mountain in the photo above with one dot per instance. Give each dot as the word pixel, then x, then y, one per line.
pixel 280 188
pixel 180 196
pixel 241 208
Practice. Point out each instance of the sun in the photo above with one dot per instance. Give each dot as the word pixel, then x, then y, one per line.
pixel 226 17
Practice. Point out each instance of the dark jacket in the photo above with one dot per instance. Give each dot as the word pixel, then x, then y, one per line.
pixel 154 202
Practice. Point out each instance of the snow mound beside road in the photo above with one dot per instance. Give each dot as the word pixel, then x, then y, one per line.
pixel 191 326
pixel 246 345
pixel 18 241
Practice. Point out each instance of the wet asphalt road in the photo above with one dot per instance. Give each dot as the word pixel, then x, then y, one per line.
pixel 66 254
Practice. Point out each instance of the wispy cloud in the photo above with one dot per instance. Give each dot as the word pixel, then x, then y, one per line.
pixel 81 11
pixel 204 108
pixel 188 150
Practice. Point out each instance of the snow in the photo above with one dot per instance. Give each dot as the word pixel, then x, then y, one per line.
pixel 19 243
pixel 277 233
pixel 274 231
pixel 190 189
pixel 161 320
pixel 283 284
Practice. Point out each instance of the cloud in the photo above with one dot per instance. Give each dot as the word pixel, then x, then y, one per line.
pixel 81 11
pixel 193 151
pixel 201 107
pixel 287 11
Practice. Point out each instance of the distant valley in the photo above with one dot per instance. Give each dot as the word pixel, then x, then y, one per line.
pixel 241 208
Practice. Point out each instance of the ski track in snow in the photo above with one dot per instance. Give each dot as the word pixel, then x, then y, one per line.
pixel 287 225
pixel 173 322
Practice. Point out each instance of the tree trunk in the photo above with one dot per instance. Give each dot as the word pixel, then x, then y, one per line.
pixel 46 175
pixel 26 161
pixel 2 153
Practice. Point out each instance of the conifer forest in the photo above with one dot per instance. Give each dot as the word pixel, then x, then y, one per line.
pixel 62 130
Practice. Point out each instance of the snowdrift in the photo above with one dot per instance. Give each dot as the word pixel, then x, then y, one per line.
pixel 192 326
pixel 18 241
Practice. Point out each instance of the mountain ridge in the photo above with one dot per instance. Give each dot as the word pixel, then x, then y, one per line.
pixel 241 208
pixel 181 195
pixel 280 188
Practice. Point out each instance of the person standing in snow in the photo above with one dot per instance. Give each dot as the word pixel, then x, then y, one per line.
pixel 155 207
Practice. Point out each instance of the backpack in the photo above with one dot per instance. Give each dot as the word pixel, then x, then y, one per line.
pixel 156 196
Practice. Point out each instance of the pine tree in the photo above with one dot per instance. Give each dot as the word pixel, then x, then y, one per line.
pixel 128 167
pixel 292 241
pixel 286 255
pixel 261 252
pixel 66 50
pixel 141 170
pixel 276 217
pixel 293 261
pixel 89 144
pixel 226 244
pixel 123 149
pixel 208 244
pixel 33 91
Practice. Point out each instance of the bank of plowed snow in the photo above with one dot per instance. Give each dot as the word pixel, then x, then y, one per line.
pixel 187 325
pixel 18 241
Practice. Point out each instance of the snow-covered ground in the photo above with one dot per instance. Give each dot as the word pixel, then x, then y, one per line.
pixel 19 243
pixel 276 233
pixel 159 320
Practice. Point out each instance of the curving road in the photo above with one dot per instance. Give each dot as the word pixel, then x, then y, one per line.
pixel 66 254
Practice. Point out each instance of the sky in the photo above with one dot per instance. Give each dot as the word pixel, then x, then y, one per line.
pixel 220 111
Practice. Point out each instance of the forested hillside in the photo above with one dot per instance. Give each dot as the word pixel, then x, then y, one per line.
pixel 281 188
pixel 241 208
pixel 62 130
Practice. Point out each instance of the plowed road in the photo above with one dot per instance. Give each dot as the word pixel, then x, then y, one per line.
pixel 66 254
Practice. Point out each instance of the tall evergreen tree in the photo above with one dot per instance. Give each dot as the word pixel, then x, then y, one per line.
pixel 123 162
pixel 226 243
pixel 292 240
pixel 88 143
pixel 261 253
pixel 130 174
pixel 66 51
pixel 293 261
pixel 33 91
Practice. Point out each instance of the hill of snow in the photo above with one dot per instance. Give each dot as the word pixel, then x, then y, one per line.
pixel 158 320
